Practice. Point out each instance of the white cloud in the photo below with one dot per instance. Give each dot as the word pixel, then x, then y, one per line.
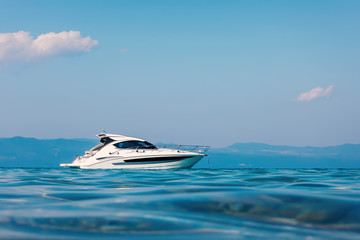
pixel 315 93
pixel 21 46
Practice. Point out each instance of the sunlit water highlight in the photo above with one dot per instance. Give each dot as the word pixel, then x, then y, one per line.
pixel 178 204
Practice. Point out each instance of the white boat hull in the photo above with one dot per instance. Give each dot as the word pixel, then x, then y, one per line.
pixel 122 152
pixel 119 163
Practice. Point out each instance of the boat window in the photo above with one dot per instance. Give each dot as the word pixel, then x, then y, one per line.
pixel 98 147
pixel 135 144
pixel 104 141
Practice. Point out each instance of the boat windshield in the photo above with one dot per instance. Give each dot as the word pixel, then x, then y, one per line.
pixel 104 141
pixel 97 147
pixel 135 144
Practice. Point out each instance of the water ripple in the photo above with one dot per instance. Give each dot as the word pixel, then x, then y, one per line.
pixel 226 204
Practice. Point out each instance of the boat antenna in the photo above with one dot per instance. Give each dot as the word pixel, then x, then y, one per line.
pixel 104 131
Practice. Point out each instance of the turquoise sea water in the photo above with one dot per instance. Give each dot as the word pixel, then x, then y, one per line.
pixel 179 204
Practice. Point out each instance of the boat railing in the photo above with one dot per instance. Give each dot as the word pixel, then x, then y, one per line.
pixel 86 155
pixel 189 148
pixel 173 147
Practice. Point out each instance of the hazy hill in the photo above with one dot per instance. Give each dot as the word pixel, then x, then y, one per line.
pixel 31 152
pixel 270 156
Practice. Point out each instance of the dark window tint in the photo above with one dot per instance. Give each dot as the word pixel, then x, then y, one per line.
pixel 135 144
pixel 106 140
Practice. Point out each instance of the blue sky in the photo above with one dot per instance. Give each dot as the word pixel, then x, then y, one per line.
pixel 191 72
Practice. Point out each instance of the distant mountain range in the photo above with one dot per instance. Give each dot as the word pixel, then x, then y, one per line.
pixel 269 156
pixel 31 152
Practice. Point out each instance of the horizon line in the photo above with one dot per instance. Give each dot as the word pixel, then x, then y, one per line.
pixel 279 145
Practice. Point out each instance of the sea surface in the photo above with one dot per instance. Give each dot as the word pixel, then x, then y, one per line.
pixel 179 204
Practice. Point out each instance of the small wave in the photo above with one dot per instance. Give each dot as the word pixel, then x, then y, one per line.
pixel 226 204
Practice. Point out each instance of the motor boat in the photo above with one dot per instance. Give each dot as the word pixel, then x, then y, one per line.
pixel 123 152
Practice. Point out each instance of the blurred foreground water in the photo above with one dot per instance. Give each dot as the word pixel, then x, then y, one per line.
pixel 178 204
